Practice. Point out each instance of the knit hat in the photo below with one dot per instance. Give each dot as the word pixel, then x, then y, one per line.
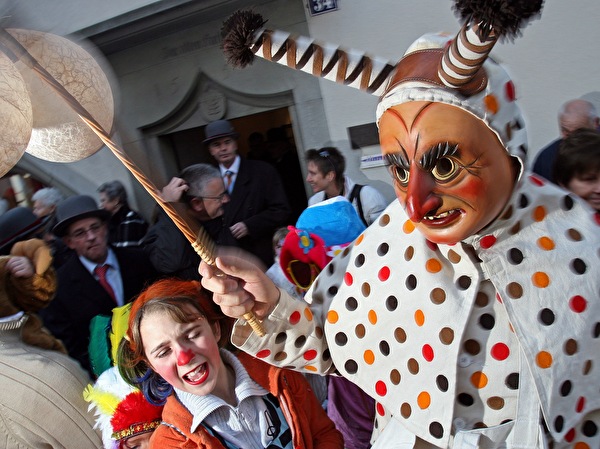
pixel 217 130
pixel 76 208
pixel 121 410
pixel 17 224
pixel 437 67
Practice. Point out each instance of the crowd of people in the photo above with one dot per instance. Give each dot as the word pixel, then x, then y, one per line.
pixel 462 315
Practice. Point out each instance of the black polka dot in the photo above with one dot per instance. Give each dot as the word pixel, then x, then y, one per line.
pixel 463 282
pixel 411 282
pixel 300 341
pixel 546 317
pixel 596 332
pixel 487 321
pixel 523 201
pixel 326 355
pixel 436 430
pixel 559 423
pixel 472 347
pixel 578 266
pixel 391 303
pixel 351 304
pixel 341 339
pixel 589 429
pixel 383 249
pixel 384 347
pixel 567 202
pixel 465 399
pixel 565 388
pixel 331 268
pixel 351 367
pixel 512 381
pixel 280 338
pixel 359 261
pixel 515 256
pixel 442 383
pixel 332 291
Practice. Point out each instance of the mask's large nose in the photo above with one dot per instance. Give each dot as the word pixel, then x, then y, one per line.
pixel 184 357
pixel 419 194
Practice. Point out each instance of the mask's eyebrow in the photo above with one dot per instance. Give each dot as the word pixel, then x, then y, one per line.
pixel 435 153
pixel 400 158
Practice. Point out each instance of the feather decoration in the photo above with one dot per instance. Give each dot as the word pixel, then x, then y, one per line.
pixel 238 33
pixel 104 401
pixel 498 18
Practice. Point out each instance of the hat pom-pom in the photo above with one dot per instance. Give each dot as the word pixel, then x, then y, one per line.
pixel 238 33
pixel 500 18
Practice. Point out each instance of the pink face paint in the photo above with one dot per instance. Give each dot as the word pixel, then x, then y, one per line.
pixel 184 357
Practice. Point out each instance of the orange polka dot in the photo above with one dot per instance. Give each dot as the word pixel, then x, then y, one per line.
pixel 308 314
pixel 372 317
pixel 332 317
pixel 419 317
pixel 408 227
pixel 359 239
pixel 546 243
pixel 540 279
pixel 491 103
pixel 543 359
pixel 310 368
pixel 424 400
pixel 479 380
pixel 581 445
pixel 539 213
pixel 369 357
pixel 433 266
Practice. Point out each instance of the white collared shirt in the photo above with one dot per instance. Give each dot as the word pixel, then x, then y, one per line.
pixel 235 168
pixel 113 275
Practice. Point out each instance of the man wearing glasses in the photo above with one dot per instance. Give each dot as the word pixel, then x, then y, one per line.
pixel 200 187
pixel 95 279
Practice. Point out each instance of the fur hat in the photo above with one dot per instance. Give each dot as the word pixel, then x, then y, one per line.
pixel 76 208
pixel 17 224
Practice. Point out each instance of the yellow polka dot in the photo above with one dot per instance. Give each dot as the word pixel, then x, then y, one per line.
pixel 491 103
pixel 543 359
pixel 479 380
pixel 332 316
pixel 372 317
pixel 546 243
pixel 311 368
pixel 308 314
pixel 369 357
pixel 359 239
pixel 424 400
pixel 539 213
pixel 408 227
pixel 540 279
pixel 419 317
pixel 433 266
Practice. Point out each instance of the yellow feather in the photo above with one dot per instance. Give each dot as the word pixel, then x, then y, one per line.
pixel 119 325
pixel 105 402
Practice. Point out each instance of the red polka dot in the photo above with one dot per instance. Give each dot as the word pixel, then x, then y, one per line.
pixel 380 388
pixel 498 298
pixel 427 353
pixel 384 274
pixel 537 181
pixel 500 351
pixel 488 241
pixel 295 317
pixel 570 436
pixel 577 304
pixel 432 246
pixel 310 354
pixel 264 353
pixel 510 91
pixel 597 218
pixel 348 279
pixel 380 409
pixel 580 405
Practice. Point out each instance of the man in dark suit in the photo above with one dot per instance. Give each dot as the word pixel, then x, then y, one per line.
pixel 95 279
pixel 258 204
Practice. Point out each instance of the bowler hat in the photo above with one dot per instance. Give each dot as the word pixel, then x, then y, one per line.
pixel 17 224
pixel 219 129
pixel 76 208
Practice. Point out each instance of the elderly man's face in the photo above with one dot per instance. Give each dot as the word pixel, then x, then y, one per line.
pixel 450 172
pixel 88 238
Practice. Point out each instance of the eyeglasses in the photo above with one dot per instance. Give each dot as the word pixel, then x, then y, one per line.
pixel 217 198
pixel 303 274
pixel 82 233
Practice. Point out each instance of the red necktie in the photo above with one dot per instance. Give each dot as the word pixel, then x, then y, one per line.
pixel 100 271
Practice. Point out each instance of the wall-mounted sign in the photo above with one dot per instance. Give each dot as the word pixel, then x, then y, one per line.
pixel 363 135
pixel 317 7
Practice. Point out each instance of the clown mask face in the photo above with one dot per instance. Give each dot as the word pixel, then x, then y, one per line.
pixel 450 172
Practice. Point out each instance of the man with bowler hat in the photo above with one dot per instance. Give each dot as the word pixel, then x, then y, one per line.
pixel 95 279
pixel 258 204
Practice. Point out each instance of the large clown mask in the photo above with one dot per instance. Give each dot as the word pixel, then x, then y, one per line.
pixel 450 171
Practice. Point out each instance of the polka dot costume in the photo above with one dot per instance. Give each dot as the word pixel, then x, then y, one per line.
pixel 443 336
